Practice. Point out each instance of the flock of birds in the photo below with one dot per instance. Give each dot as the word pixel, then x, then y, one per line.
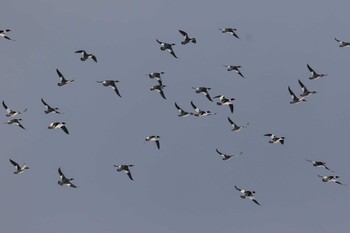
pixel 197 112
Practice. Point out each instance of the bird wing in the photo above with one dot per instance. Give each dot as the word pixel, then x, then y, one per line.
pixel 64 128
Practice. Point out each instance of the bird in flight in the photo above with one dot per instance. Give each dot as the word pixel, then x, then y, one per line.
pixel 247 194
pixel 112 84
pixel 231 31
pixel 235 69
pixel 15 121
pixel 343 44
pixel 183 113
pixel 236 127
pixel 203 90
pixel 187 39
pixel 225 101
pixel 158 88
pixel 306 92
pixel 12 113
pixel 125 168
pixel 3 34
pixel 329 179
pixel 226 156
pixel 295 99
pixel 275 139
pixel 64 180
pixel 314 74
pixel 85 55
pixel 167 47
pixel 59 125
pixel 50 109
pixel 199 112
pixel 19 169
pixel 63 81
pixel 153 138
pixel 319 164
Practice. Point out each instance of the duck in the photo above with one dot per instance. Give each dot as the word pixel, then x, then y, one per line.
pixel 65 181
pixel 183 113
pixel 231 31
pixel 158 88
pixel 203 90
pixel 314 74
pixel 329 179
pixel 63 81
pixel 125 168
pixel 306 92
pixel 235 69
pixel 343 44
pixel 59 125
pixel 153 138
pixel 112 84
pixel 85 55
pixel 15 121
pixel 225 101
pixel 199 112
pixel 50 109
pixel 319 164
pixel 187 39
pixel 226 156
pixel 167 47
pixel 235 127
pixel 157 76
pixel 275 139
pixel 3 34
pixel 19 169
pixel 295 99
pixel 247 194
pixel 12 113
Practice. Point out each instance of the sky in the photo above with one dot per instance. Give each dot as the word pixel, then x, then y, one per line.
pixel 184 186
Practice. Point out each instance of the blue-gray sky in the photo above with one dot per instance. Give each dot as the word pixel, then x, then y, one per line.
pixel 184 187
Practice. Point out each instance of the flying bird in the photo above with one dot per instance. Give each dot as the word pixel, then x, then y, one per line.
pixel 314 74
pixel 295 99
pixel 187 39
pixel 157 76
pixel 126 169
pixel 231 31
pixel 329 179
pixel 50 109
pixel 247 194
pixel 200 112
pixel 275 139
pixel 225 101
pixel 19 169
pixel 236 127
pixel 153 138
pixel 15 122
pixel 158 88
pixel 167 47
pixel 343 44
pixel 235 69
pixel 11 113
pixel 183 113
pixel 306 92
pixel 59 125
pixel 63 81
pixel 226 156
pixel 203 90
pixel 112 84
pixel 3 34
pixel 65 181
pixel 85 55
pixel 319 164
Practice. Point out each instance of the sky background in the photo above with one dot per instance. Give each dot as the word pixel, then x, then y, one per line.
pixel 185 186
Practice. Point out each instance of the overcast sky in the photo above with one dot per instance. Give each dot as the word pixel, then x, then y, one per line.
pixel 185 186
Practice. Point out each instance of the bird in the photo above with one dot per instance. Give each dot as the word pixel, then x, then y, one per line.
pixel 203 90
pixel 63 81
pixel 343 44
pixel 275 139
pixel 231 31
pixel 314 74
pixel 3 34
pixel 158 88
pixel 187 39
pixel 306 92
pixel 319 164
pixel 15 121
pixel 85 55
pixel 50 109
pixel 126 169
pixel 247 194
pixel 328 179
pixel 226 156
pixel 19 169
pixel 157 76
pixel 200 112
pixel 112 84
pixel 65 181
pixel 153 138
pixel 167 47
pixel 235 69
pixel 235 127
pixel 59 125
pixel 295 99
pixel 183 113
pixel 225 101
pixel 11 113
